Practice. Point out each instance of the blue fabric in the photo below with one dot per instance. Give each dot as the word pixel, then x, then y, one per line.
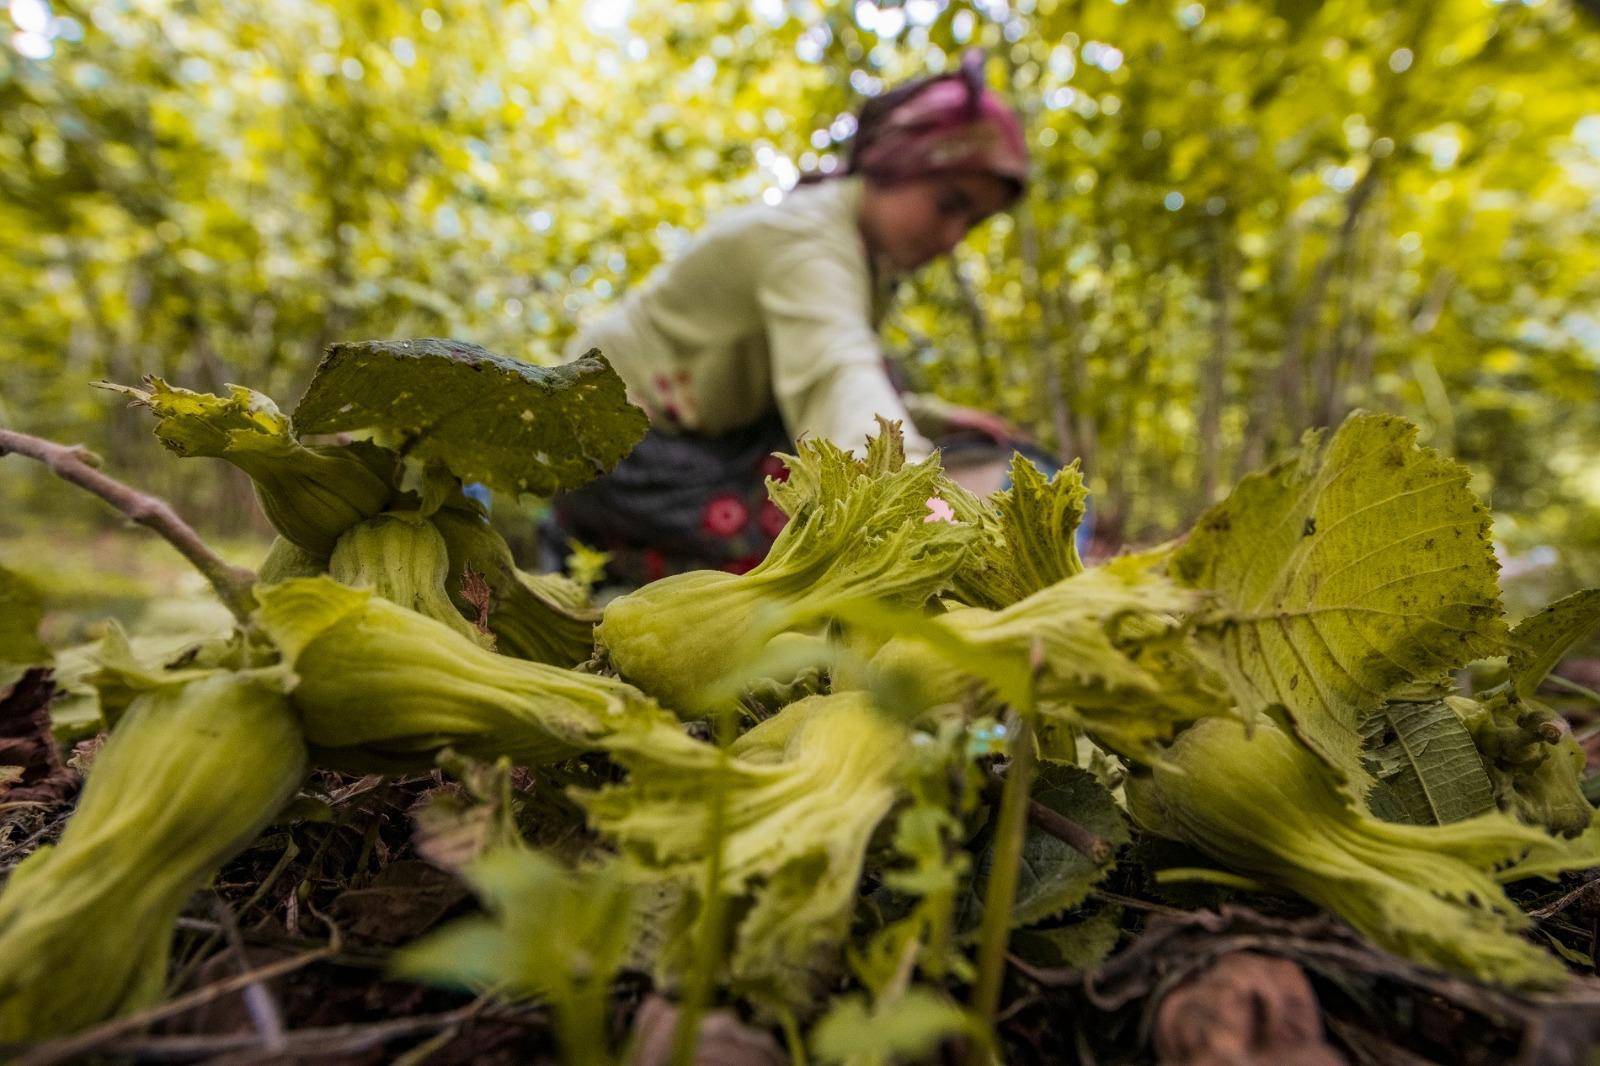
pixel 480 492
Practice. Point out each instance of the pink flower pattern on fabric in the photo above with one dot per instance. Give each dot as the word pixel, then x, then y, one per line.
pixel 771 519
pixel 774 468
pixel 939 510
pixel 724 516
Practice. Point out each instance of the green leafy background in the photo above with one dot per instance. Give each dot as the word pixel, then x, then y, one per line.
pixel 1248 216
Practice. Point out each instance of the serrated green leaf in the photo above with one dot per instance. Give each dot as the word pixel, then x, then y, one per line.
pixel 1112 656
pixel 510 425
pixel 192 423
pixel 1360 563
pixel 551 932
pixel 1054 875
pixel 1540 640
pixel 1263 806
pixel 1077 945
pixel 903 1029
pixel 1426 768
pixel 1554 856
pixel 1028 542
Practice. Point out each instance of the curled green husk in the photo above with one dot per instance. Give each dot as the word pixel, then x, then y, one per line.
pixel 192 772
pixel 403 559
pixel 1264 806
pixel 383 688
pixel 1103 650
pixel 1028 540
pixel 805 791
pixel 542 617
pixel 310 494
pixel 857 527
pixel 1534 764
pixel 286 559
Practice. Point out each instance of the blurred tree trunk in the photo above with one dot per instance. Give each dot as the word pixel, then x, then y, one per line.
pixel 1333 344
pixel 1295 399
pixel 1356 337
pixel 1124 472
pixel 1080 412
pixel 978 323
pixel 1266 400
pixel 1213 375
pixel 1050 331
pixel 339 133
pixel 1423 318
pixel 1297 407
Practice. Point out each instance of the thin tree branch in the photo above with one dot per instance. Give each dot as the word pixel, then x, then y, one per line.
pixel 299 1044
pixel 258 999
pixel 1213 375
pixel 72 1047
pixel 978 322
pixel 1086 842
pixel 76 464
pixel 1051 328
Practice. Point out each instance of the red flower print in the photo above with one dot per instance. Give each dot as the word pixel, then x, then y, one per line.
pixel 724 516
pixel 771 518
pixel 773 467
pixel 655 564
pixel 742 566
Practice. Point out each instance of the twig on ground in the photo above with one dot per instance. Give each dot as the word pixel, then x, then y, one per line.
pixel 1094 847
pixel 76 464
pixel 1587 890
pixel 1085 841
pixel 299 1044
pixel 1136 904
pixel 354 958
pixel 92 1039
pixel 264 1013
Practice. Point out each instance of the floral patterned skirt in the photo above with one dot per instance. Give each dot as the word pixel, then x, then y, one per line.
pixel 678 501
pixel 682 501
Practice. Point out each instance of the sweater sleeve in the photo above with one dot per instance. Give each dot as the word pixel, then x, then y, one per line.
pixel 827 368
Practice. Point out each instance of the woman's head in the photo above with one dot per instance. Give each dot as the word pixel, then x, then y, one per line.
pixel 938 155
pixel 913 221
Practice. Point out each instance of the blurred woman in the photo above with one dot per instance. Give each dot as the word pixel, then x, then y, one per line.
pixel 765 328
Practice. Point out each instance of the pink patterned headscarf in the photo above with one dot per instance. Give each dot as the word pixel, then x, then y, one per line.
pixel 950 124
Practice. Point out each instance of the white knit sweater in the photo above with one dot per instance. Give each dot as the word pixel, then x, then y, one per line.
pixel 769 305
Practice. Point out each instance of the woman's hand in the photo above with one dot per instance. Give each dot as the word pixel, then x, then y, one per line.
pixel 938 417
pixel 991 425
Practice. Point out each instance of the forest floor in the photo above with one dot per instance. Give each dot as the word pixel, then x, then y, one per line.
pixel 284 959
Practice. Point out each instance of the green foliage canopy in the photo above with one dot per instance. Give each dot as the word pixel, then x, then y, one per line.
pixel 1248 217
